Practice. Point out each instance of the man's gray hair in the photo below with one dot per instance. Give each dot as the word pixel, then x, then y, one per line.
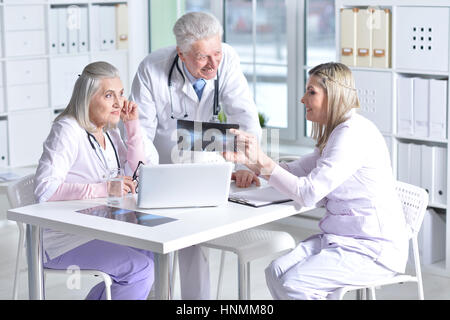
pixel 86 86
pixel 194 26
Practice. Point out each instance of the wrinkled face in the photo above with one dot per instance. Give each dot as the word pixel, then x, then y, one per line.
pixel 204 57
pixel 106 103
pixel 315 101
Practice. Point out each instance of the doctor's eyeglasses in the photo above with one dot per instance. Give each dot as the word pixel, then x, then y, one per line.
pixel 135 175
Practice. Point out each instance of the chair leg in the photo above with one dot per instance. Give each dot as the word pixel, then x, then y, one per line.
pixel 19 255
pixel 248 282
pixel 219 283
pixel 373 295
pixel 242 281
pixel 108 284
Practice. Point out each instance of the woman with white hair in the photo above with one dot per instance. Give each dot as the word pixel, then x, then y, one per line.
pixel 364 234
pixel 83 145
pixel 193 80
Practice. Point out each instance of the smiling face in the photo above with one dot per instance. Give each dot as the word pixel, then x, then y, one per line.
pixel 106 103
pixel 204 57
pixel 315 101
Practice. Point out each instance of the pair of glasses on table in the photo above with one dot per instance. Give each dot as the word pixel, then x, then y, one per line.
pixel 136 176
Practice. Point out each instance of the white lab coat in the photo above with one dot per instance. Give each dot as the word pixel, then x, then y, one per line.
pixel 150 91
pixel 68 157
pixel 364 234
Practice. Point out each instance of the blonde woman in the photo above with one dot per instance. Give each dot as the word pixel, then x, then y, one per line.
pixel 83 145
pixel 363 231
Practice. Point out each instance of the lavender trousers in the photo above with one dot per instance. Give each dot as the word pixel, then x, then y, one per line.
pixel 131 269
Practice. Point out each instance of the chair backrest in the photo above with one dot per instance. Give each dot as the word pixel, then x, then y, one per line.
pixel 414 201
pixel 21 192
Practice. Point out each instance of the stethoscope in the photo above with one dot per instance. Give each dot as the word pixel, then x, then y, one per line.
pixel 99 152
pixel 216 107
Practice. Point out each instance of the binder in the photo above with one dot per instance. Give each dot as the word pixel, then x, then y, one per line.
pixel 3 143
pixel 364 38
pixel 62 30
pixel 94 16
pixel 404 155
pixel 107 22
pixel 427 170
pixel 380 38
pixel 440 176
pixel 420 102
pixel 83 31
pixel 121 26
pixel 433 237
pixel 348 36
pixel 438 109
pixel 415 164
pixel 259 197
pixel 73 25
pixel 405 106
pixel 53 30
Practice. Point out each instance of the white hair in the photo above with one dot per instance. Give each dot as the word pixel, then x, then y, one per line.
pixel 194 26
pixel 86 86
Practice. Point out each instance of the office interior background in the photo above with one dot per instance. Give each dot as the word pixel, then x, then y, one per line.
pixel 402 83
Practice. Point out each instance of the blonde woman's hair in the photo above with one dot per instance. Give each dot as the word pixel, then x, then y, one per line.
pixel 337 81
pixel 85 87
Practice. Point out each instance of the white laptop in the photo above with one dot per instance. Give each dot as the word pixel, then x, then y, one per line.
pixel 184 185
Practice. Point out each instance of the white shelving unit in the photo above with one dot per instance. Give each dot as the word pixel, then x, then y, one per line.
pixel 36 80
pixel 384 81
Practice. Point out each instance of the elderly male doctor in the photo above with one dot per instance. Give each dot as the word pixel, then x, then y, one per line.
pixel 182 82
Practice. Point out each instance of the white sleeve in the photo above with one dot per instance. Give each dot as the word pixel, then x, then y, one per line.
pixel 56 160
pixel 304 165
pixel 235 96
pixel 343 155
pixel 142 95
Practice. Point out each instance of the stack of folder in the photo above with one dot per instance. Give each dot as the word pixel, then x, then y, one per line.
pixel 365 37
pixel 422 108
pixel 424 166
pixel 69 33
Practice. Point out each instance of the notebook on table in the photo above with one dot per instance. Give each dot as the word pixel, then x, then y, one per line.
pixel 259 197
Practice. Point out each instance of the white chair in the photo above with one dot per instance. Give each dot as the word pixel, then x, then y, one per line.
pixel 21 193
pixel 414 201
pixel 249 245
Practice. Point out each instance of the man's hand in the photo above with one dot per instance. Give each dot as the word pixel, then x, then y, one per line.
pixel 245 178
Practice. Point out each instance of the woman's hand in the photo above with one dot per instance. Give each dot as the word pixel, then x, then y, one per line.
pixel 250 154
pixel 129 111
pixel 128 185
pixel 245 178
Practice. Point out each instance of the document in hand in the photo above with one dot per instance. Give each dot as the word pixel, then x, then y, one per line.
pixel 205 136
pixel 259 197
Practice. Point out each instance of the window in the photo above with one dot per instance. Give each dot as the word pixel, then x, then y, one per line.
pixel 320 38
pixel 277 42
pixel 257 30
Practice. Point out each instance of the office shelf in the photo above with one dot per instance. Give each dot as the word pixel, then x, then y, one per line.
pixel 408 60
pixel 30 36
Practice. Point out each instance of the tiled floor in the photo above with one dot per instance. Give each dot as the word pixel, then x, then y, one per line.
pixel 56 288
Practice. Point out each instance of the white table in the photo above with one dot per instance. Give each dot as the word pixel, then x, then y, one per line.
pixel 193 226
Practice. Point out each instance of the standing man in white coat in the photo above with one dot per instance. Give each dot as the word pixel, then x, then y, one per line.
pixel 192 81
